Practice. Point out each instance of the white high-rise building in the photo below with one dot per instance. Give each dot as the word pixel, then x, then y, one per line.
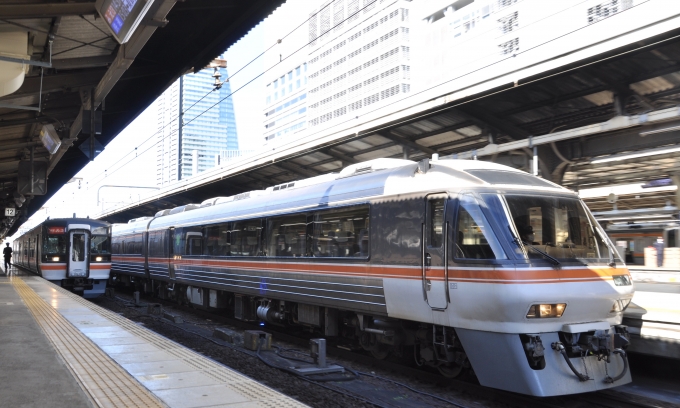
pixel 358 59
pixel 285 112
pixel 167 160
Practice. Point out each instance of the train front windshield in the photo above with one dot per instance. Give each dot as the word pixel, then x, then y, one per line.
pixel 54 248
pixel 100 242
pixel 559 227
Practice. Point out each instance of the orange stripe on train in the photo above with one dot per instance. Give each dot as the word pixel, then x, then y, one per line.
pixel 501 275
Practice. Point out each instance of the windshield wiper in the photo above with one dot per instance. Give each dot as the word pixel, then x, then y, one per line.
pixel 553 260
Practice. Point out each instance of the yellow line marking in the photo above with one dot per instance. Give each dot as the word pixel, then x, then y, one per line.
pixel 106 382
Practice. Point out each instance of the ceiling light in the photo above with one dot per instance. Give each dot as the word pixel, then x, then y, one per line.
pixel 636 155
pixel 653 132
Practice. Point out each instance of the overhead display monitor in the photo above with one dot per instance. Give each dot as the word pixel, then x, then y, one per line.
pixel 123 16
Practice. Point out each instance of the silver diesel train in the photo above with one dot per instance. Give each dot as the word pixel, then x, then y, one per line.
pixel 74 253
pixel 463 264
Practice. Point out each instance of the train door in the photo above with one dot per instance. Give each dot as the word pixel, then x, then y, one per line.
pixel 172 256
pixel 78 259
pixel 434 262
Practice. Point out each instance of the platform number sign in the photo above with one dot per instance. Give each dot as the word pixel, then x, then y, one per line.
pixel 10 212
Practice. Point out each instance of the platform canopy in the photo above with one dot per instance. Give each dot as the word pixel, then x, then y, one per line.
pixel 68 54
pixel 608 120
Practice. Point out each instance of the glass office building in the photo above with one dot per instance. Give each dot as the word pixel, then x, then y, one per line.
pixel 194 126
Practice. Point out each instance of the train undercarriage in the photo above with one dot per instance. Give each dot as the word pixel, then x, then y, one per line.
pixel 424 344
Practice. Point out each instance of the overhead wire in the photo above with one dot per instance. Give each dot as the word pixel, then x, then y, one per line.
pixel 329 30
pixel 137 154
pixel 247 83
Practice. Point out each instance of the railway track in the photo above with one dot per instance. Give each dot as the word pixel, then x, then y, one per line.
pixel 381 383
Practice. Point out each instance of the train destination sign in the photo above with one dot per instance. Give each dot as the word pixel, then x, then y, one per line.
pixel 55 230
pixel 123 16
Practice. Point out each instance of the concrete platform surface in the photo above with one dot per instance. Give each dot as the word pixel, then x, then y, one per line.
pixel 59 350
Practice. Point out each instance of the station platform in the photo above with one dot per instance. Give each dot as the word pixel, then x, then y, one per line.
pixel 653 317
pixel 60 350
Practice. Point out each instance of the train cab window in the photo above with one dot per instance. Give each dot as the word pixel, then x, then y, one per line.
pixel 341 233
pixel 559 227
pixel 100 242
pixel 473 236
pixel 55 246
pixel 245 237
pixel 287 236
pixel 216 241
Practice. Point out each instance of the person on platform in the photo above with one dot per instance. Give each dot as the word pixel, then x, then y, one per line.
pixel 659 245
pixel 7 252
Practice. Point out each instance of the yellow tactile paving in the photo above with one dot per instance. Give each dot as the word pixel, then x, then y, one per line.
pixel 228 386
pixel 257 393
pixel 107 383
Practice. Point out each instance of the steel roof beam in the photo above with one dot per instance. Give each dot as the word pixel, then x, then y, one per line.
pixel 124 58
pixel 338 156
pixel 501 125
pixel 56 83
pixel 84 62
pixel 297 169
pixel 579 94
pixel 406 142
pixel 45 10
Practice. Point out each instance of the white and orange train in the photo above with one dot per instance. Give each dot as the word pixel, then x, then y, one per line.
pixel 462 264
pixel 74 253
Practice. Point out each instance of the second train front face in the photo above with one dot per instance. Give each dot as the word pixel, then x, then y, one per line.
pixel 510 262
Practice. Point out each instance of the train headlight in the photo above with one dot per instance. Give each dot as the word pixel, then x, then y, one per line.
pixel 55 259
pixel 622 280
pixel 98 259
pixel 546 310
pixel 620 305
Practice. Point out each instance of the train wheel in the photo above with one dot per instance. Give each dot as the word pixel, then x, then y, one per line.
pixel 452 370
pixel 380 351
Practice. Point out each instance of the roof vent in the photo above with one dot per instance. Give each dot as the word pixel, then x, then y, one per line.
pixel 139 219
pixel 373 165
pixel 184 208
pixel 283 186
pixel 213 201
pixel 324 178
pixel 249 194
pixel 162 213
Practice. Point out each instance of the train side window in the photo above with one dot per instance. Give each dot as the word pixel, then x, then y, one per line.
pixel 138 243
pixel 341 233
pixel 245 237
pixel 194 242
pixel 435 220
pixel 287 236
pixel 216 241
pixel 473 237
pixel 156 244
